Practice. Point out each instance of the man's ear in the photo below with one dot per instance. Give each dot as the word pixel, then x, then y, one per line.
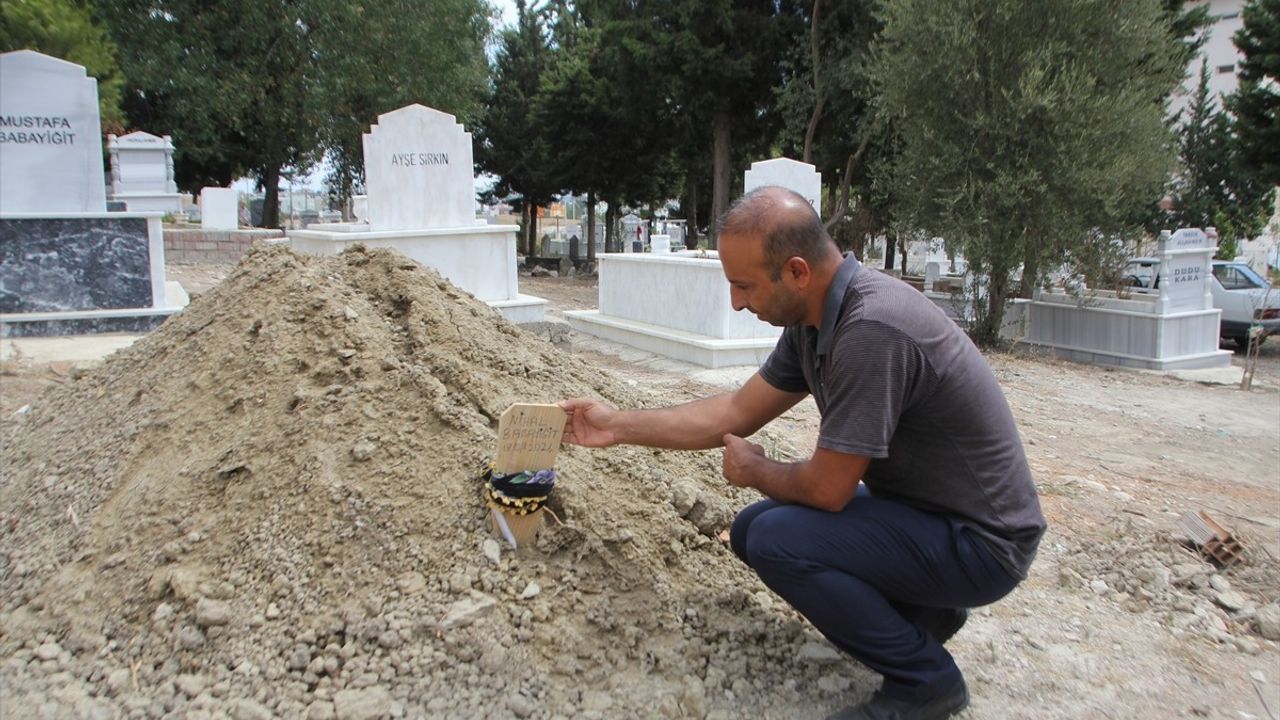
pixel 798 270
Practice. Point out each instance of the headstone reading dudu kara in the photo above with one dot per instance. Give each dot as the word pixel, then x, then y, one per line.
pixel 67 266
pixel 420 185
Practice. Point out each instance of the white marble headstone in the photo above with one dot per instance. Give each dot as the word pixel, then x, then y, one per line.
pixel 801 177
pixel 50 136
pixel 219 209
pixel 141 163
pixel 418 171
pixel 1184 273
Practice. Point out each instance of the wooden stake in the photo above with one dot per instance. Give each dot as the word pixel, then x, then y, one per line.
pixel 528 440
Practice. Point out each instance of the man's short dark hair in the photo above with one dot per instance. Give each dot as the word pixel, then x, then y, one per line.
pixel 787 223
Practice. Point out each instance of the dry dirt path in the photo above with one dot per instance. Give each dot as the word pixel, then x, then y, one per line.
pixel 1116 620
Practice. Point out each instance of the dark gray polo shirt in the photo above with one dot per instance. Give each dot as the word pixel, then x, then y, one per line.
pixel 898 381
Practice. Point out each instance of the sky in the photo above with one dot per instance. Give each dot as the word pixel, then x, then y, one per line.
pixel 508 10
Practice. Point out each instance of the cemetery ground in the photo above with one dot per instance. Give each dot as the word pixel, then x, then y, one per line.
pixel 1116 621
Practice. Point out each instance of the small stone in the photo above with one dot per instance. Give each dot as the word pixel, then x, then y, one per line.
pixel 210 612
pixel 183 581
pixel 118 681
pixel 411 583
pixel 818 654
pixel 1231 600
pixel 597 701
pixel 246 709
pixel 320 710
pixel 190 685
pixel 492 550
pixel 190 638
pixel 273 611
pixel 467 610
pixel 520 706
pixel 683 499
pixel 1219 583
pixel 298 658
pixel 363 450
pixel 530 591
pixel 365 704
pixel 1268 619
pixel 349 313
pixel 163 612
pixel 1099 587
pixel 390 639
pixel 49 651
pixel 833 683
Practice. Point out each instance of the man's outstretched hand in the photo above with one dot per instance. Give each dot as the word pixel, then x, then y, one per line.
pixel 589 423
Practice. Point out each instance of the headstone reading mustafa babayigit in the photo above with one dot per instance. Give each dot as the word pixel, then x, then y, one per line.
pixel 67 266
pixel 50 136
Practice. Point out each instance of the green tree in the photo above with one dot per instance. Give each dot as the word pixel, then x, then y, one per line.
pixel 606 111
pixel 826 100
pixel 508 141
pixel 66 29
pixel 1029 131
pixel 720 60
pixel 1256 103
pixel 232 82
pixel 1213 187
pixel 266 87
pixel 378 57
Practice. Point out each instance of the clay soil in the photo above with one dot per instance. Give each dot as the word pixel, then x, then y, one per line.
pixel 268 508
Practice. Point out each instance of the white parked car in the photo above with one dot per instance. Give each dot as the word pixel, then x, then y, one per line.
pixel 1244 297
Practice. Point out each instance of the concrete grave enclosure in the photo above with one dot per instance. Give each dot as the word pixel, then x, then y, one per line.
pixel 677 304
pixel 421 202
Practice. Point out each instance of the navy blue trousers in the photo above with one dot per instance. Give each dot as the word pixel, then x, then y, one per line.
pixel 867 575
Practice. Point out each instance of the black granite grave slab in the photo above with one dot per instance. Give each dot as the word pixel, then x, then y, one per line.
pixel 70 264
pixel 82 326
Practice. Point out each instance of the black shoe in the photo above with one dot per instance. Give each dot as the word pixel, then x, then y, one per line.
pixel 947 623
pixel 883 707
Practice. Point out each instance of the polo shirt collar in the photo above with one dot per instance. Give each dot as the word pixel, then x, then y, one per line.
pixel 834 300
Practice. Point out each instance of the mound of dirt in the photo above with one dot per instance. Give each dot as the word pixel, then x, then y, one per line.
pixel 270 507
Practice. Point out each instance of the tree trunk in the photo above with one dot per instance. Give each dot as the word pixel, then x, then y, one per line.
pixel 691 209
pixel 610 229
pixel 986 331
pixel 591 228
pixel 842 206
pixel 890 250
pixel 271 197
pixel 902 248
pixel 533 231
pixel 720 172
pixel 819 93
pixel 1030 270
pixel 523 245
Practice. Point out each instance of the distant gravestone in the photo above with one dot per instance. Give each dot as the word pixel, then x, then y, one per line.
pixel 142 172
pixel 801 177
pixel 1184 273
pixel 50 136
pixel 219 209
pixel 418 171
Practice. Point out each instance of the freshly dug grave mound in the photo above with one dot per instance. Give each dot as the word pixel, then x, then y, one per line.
pixel 270 506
